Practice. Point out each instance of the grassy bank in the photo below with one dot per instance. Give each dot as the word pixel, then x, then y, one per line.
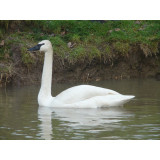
pixel 79 41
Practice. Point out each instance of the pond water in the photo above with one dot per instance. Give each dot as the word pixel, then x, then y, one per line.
pixel 21 117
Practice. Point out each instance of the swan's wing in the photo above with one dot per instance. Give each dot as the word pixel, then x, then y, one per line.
pixel 101 101
pixel 82 92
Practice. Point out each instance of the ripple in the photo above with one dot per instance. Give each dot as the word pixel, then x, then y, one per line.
pixel 17 134
pixel 29 137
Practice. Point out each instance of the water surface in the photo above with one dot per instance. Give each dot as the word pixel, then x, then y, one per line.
pixel 22 118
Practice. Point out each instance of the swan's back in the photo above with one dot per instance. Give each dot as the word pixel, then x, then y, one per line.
pixel 82 92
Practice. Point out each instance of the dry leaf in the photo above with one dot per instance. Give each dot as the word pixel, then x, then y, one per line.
pixel 6 56
pixel 117 29
pixel 69 44
pixel 2 43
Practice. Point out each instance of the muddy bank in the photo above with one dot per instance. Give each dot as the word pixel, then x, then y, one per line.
pixel 133 66
pixel 15 72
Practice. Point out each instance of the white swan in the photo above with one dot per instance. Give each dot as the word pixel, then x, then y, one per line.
pixel 82 96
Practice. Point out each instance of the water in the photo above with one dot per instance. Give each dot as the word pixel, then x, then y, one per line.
pixel 21 118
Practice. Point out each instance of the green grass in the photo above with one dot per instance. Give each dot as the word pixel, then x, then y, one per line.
pixel 90 39
pixel 133 31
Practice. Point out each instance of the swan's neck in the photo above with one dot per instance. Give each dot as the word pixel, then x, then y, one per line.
pixel 46 82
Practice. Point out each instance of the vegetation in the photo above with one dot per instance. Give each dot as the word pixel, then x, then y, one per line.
pixel 80 40
pixel 86 38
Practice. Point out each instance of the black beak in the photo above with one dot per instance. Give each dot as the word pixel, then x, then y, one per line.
pixel 36 48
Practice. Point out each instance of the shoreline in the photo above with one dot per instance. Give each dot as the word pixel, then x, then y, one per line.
pixel 83 72
pixel 84 51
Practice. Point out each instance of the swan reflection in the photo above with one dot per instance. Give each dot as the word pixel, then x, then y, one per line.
pixel 103 118
pixel 44 115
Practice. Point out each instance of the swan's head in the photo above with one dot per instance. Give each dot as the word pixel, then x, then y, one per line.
pixel 42 46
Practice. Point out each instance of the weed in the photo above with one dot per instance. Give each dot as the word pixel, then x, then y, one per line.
pixel 26 57
pixel 77 54
pixel 76 38
pixel 93 52
pixel 121 47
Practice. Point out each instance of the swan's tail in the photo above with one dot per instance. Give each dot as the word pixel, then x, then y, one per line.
pixel 128 97
pixel 115 100
pixel 121 100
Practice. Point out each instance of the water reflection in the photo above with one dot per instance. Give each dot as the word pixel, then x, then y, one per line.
pixel 107 118
pixel 138 119
pixel 44 115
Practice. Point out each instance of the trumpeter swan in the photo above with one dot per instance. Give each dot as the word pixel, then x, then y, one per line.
pixel 82 96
